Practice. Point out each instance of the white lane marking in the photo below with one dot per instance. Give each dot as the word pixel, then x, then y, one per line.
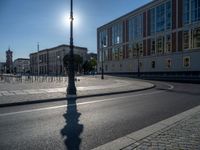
pixel 85 103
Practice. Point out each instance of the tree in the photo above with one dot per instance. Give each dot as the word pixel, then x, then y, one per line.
pixel 89 65
pixel 78 61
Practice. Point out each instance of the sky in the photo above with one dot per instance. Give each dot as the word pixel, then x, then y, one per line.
pixel 23 23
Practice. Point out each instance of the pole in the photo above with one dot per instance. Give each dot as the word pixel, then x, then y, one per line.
pixel 102 67
pixel 38 59
pixel 71 89
pixel 138 60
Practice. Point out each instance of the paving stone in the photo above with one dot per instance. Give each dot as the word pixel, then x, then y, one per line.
pixel 183 135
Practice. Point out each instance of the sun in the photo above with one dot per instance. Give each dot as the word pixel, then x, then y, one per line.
pixel 66 20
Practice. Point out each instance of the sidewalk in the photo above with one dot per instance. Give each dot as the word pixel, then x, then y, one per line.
pixel 25 93
pixel 180 132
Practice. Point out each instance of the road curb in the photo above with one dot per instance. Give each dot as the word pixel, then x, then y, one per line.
pixel 135 137
pixel 64 98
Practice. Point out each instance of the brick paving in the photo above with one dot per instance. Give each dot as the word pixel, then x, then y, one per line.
pixel 183 135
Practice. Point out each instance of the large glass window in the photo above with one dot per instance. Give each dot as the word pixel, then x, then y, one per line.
pixel 194 10
pixel 160 45
pixel 186 11
pixel 117 34
pixel 116 53
pixel 152 21
pixel 130 51
pixel 160 18
pixel 153 46
pixel 168 43
pixel 168 15
pixel 103 38
pixel 196 38
pixel 120 53
pixel 186 39
pixel 136 27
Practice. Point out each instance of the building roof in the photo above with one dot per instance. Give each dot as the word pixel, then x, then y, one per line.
pixel 63 45
pixel 22 59
pixel 127 14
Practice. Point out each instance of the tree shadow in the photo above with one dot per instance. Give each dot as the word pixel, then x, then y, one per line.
pixel 72 130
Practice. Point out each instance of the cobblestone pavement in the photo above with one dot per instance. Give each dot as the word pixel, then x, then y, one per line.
pixel 184 135
pixel 20 92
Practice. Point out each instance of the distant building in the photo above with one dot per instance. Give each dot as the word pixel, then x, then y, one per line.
pixel 9 61
pixel 21 65
pixel 160 38
pixel 2 67
pixel 50 61
pixel 91 56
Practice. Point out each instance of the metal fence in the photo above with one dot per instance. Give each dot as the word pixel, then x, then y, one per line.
pixel 31 79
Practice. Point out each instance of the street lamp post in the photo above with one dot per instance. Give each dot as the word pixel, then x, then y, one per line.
pixel 71 89
pixel 138 59
pixel 102 67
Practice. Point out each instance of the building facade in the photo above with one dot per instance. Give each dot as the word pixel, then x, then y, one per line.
pixel 21 66
pixel 50 61
pixel 9 61
pixel 162 36
pixel 2 67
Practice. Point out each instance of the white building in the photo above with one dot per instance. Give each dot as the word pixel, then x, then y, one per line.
pixel 22 65
pixel 50 61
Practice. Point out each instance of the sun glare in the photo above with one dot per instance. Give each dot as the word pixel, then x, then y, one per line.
pixel 66 20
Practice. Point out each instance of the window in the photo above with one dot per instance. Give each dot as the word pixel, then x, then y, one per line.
pixel 191 11
pixel 186 39
pixel 130 51
pixel 103 38
pixel 120 53
pixel 116 53
pixel 196 38
pixel 136 27
pixel 186 11
pixel 186 62
pixel 168 43
pixel 140 48
pixel 168 15
pixel 168 63
pixel 152 21
pixel 160 45
pixel 113 53
pixel 160 18
pixel 117 34
pixel 153 64
pixel 194 10
pixel 153 48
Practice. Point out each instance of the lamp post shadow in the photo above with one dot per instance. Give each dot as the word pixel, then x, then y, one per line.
pixel 72 130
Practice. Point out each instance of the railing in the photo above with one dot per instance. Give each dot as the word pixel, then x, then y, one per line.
pixel 31 79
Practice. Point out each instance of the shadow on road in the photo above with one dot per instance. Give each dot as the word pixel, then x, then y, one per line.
pixel 72 130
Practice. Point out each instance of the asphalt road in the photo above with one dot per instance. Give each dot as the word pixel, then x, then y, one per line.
pixel 90 122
